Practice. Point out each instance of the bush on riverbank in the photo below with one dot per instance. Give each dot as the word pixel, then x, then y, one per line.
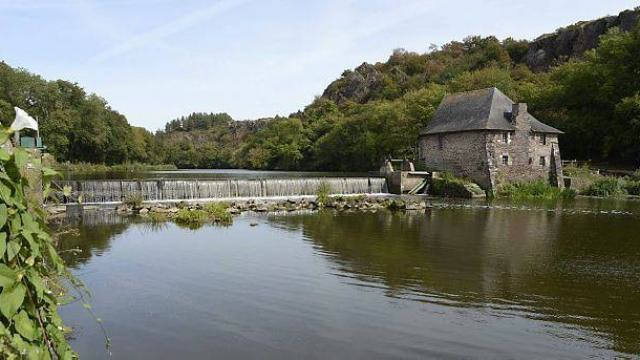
pixel 609 186
pixel 539 189
pixel 450 186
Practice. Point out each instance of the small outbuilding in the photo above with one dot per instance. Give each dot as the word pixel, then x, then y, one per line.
pixel 484 136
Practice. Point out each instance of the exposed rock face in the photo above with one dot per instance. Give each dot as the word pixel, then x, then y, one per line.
pixel 574 40
pixel 355 85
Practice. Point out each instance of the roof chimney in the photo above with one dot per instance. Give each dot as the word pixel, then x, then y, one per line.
pixel 518 109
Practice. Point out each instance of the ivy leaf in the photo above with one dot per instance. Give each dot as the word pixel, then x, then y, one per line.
pixel 4 155
pixel 37 282
pixel 3 243
pixel 15 225
pixel 28 222
pixel 20 157
pixel 25 325
pixel 48 173
pixel 3 214
pixel 13 248
pixel 11 299
pixel 7 276
pixel 5 193
pixel 4 136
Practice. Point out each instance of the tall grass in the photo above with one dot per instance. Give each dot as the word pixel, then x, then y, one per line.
pixel 133 200
pixel 88 168
pixel 217 212
pixel 534 190
pixel 322 194
pixel 609 186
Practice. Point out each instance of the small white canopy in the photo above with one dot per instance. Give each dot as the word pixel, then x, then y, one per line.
pixel 23 121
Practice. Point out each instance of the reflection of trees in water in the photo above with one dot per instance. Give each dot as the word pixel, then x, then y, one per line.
pixel 575 269
pixel 90 233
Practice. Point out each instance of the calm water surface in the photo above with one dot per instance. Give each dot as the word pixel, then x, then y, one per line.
pixel 458 281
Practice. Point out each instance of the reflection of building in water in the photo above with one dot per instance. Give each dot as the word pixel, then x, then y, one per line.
pixel 566 268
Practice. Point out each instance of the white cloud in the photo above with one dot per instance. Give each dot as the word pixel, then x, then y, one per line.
pixel 180 24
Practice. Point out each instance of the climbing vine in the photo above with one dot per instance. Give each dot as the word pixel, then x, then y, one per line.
pixel 30 270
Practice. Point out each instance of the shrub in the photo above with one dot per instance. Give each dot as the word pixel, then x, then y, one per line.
pixel 581 176
pixel 632 187
pixel 322 194
pixel 606 187
pixel 191 218
pixel 538 189
pixel 157 217
pixel 217 211
pixel 451 186
pixel 133 200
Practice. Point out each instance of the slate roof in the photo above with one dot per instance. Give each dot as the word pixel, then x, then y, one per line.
pixel 484 109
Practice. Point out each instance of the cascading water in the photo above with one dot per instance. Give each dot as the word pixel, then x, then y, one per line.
pixel 111 191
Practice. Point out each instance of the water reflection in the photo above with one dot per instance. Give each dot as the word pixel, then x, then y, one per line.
pixel 573 268
pixel 577 265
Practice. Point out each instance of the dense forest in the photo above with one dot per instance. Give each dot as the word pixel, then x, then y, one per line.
pixel 369 112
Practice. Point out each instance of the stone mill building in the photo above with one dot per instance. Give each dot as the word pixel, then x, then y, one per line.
pixel 484 136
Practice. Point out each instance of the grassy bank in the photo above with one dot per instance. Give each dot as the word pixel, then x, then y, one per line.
pixel 87 168
pixel 450 186
pixel 590 183
pixel 535 190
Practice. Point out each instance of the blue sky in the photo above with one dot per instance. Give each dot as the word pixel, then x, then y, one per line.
pixel 154 60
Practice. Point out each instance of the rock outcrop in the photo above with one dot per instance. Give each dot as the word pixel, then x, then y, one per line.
pixel 356 85
pixel 573 41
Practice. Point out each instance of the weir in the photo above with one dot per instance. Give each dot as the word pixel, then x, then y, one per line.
pixel 115 191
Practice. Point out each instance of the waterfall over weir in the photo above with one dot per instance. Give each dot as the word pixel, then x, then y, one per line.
pixel 111 191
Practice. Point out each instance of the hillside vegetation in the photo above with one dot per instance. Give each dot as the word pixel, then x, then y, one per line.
pixel 373 110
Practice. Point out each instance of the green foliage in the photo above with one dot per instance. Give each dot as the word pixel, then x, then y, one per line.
pixel 133 200
pixel 322 194
pixel 30 269
pixel 451 186
pixel 157 217
pixel 538 190
pixel 212 212
pixel 75 126
pixel 370 112
pixel 218 212
pixel 192 218
pixel 606 187
pixel 632 187
pixel 89 168
pixel 596 100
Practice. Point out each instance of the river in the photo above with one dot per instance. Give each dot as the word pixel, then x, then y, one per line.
pixel 461 280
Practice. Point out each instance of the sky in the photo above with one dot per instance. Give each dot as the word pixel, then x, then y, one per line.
pixel 155 60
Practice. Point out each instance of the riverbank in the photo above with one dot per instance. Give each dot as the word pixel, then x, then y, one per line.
pixel 83 168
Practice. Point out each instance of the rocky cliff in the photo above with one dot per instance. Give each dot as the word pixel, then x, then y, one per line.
pixel 574 40
pixel 369 81
pixel 356 85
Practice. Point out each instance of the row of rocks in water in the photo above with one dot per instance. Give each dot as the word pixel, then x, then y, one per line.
pixel 339 203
